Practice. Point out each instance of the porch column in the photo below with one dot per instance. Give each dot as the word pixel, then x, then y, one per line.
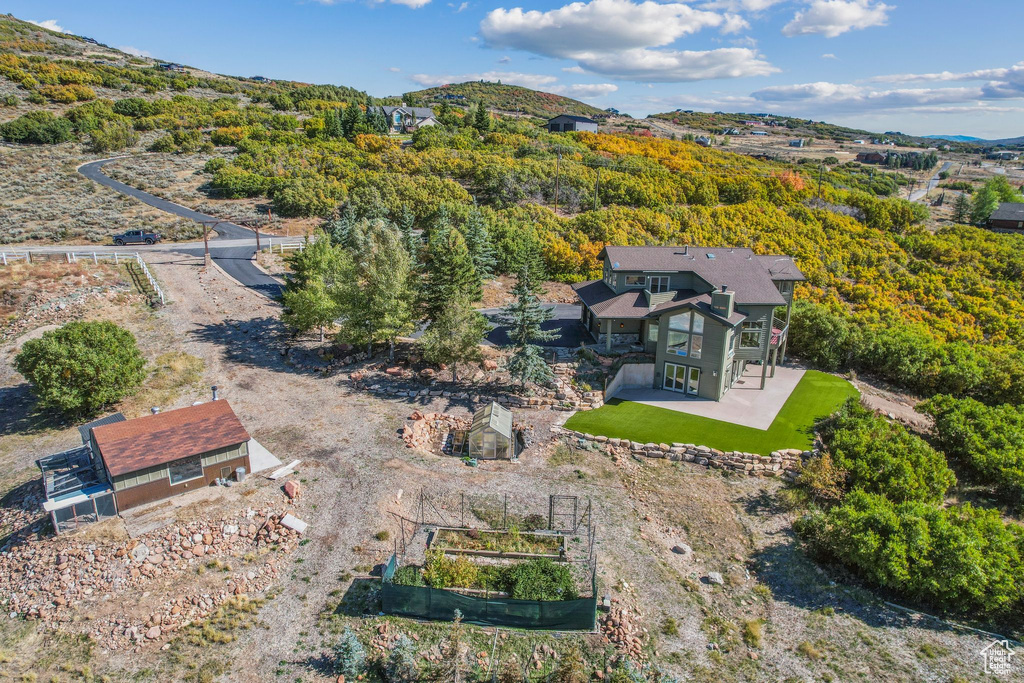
pixel 767 352
pixel 608 336
pixel 775 358
pixel 782 351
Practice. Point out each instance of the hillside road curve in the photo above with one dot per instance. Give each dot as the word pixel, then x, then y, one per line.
pixel 232 249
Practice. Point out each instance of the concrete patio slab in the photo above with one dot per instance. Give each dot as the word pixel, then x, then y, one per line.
pixel 745 404
pixel 260 459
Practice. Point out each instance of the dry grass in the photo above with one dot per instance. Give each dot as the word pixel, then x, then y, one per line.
pixel 174 373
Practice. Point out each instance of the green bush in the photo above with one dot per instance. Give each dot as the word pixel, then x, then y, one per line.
pixel 37 128
pixel 82 367
pixel 539 579
pixel 988 439
pixel 960 559
pixel 163 144
pixel 882 457
pixel 113 136
pixel 402 666
pixel 408 575
pixel 349 655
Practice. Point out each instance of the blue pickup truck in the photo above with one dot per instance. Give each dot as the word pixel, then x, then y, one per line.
pixel 136 237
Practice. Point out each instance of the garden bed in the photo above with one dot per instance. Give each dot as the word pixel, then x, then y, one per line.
pixel 512 544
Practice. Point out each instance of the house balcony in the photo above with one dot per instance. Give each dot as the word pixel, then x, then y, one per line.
pixel 780 330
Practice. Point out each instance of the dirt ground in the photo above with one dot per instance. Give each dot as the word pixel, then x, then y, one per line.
pixel 774 616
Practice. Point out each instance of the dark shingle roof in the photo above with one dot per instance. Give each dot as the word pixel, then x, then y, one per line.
pixel 109 419
pixel 1008 211
pixel 605 303
pixel 165 437
pixel 418 112
pixel 571 117
pixel 749 275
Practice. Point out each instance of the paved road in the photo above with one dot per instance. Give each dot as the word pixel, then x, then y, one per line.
pixel 565 323
pixel 232 249
pixel 932 184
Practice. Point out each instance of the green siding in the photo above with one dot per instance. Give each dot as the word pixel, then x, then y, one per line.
pixel 152 474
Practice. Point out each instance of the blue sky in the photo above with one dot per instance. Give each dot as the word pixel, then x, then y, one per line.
pixel 919 66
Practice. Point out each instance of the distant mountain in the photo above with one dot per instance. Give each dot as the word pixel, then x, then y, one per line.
pixel 500 97
pixel 953 138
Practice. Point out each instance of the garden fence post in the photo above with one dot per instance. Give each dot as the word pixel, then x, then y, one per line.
pixel 4 256
pixel 28 256
pixel 95 259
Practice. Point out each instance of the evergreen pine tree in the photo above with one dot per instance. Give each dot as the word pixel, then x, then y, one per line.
pixel 375 120
pixel 454 336
pixel 481 118
pixel 332 123
pixel 525 318
pixel 339 230
pixel 350 120
pixel 406 225
pixel 349 655
pixel 961 209
pixel 448 272
pixel 478 241
pixel 401 666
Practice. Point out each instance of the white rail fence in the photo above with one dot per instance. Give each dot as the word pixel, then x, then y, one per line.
pixel 11 257
pixel 282 247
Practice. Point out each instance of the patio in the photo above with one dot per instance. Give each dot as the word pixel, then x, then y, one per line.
pixel 746 404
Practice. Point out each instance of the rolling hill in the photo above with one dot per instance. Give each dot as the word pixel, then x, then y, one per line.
pixel 500 97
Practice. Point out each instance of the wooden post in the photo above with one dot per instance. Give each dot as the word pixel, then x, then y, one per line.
pixel 4 256
pixel 206 245
pixel 608 336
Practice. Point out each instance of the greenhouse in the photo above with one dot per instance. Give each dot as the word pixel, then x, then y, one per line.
pixel 491 437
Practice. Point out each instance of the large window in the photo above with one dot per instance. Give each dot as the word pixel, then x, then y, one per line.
pixel 750 337
pixel 185 470
pixel 685 334
pixel 659 284
pixel 681 378
pixel 652 332
pixel 636 280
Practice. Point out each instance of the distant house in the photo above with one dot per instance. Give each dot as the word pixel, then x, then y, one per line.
pixel 871 158
pixel 171 66
pixel 858 142
pixel 405 119
pixel 1009 217
pixel 796 143
pixel 761 133
pixel 261 79
pixel 566 123
pixel 731 131
pixel 450 96
pixel 612 110
pixel 125 463
pixel 752 123
pixel 703 140
pixel 1003 156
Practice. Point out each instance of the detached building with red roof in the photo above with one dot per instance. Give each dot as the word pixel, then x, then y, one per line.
pixel 125 463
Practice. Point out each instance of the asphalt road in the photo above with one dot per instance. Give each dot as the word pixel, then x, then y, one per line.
pixel 565 323
pixel 231 249
pixel 932 184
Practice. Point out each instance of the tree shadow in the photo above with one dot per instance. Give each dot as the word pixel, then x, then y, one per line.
pixel 361 599
pixel 259 343
pixel 21 413
pixel 23 504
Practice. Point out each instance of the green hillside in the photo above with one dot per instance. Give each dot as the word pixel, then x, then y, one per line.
pixel 500 97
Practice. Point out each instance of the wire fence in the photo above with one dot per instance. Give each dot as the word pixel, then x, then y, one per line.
pixel 11 257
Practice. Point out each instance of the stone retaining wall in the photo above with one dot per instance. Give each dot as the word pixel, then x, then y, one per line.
pixel 784 463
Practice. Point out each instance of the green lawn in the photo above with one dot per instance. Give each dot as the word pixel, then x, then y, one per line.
pixel 817 395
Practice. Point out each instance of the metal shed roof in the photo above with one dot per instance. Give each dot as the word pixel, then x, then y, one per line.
pixel 109 419
pixel 497 417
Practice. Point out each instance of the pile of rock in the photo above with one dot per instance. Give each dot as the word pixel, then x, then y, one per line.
pixel 426 430
pixel 784 463
pixel 46 578
pixel 623 631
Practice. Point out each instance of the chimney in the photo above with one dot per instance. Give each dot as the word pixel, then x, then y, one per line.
pixel 154 410
pixel 214 389
pixel 722 302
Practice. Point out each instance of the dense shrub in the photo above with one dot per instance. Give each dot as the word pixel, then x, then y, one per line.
pixel 539 579
pixel 82 367
pixel 113 136
pixel 960 559
pixel 988 439
pixel 349 655
pixel 39 128
pixel 882 457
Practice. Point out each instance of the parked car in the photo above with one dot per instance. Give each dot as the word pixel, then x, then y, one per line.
pixel 136 237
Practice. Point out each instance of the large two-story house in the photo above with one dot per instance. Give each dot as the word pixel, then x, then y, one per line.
pixel 705 313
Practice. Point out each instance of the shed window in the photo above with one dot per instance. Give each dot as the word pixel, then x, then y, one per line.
pixel 185 470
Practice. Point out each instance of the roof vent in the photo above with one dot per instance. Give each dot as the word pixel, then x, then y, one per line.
pixel 686 249
pixel 615 265
pixel 725 288
pixel 214 388
pixel 710 255
pixel 154 410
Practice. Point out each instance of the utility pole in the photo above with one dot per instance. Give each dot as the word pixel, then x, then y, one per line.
pixel 821 170
pixel 558 159
pixel 597 188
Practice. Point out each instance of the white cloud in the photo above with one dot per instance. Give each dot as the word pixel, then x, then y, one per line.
pixel 584 90
pixel 832 18
pixel 573 69
pixel 505 60
pixel 672 66
pixel 50 24
pixel 616 38
pixel 606 25
pixel 976 75
pixel 413 4
pixel 133 51
pixel 459 8
pixel 394 69
pixel 741 5
pixel 734 23
pixel 535 81
pixel 829 55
